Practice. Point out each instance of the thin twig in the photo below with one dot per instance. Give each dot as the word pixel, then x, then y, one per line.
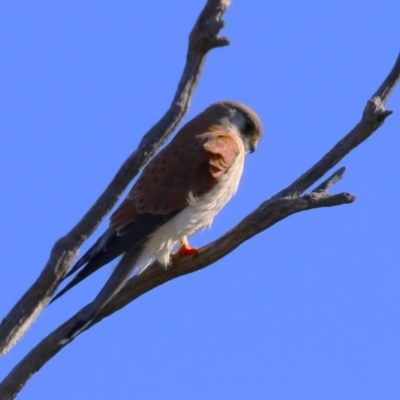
pixel 388 85
pixel 373 117
pixel 328 183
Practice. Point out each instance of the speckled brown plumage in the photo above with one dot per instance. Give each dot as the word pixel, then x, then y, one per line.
pixel 193 162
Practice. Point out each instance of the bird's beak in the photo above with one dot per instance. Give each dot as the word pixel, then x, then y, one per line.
pixel 253 145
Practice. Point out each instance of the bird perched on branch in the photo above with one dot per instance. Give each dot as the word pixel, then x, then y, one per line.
pixel 179 192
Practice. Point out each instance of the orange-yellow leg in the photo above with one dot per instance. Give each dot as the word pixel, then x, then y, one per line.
pixel 184 250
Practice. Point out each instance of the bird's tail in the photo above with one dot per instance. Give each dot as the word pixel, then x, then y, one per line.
pixel 118 278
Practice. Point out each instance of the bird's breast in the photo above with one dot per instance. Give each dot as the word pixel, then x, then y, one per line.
pixel 197 215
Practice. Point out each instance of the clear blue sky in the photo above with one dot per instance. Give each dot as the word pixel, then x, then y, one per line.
pixel 306 310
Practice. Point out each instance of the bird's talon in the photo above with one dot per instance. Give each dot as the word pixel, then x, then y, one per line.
pixel 184 251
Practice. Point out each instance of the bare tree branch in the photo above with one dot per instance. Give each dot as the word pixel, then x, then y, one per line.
pixel 280 206
pixel 328 183
pixel 268 214
pixel 203 38
pixel 388 85
pixel 373 117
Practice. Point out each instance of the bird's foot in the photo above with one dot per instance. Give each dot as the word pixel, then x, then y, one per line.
pixel 184 250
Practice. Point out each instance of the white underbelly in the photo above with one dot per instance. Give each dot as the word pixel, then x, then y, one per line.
pixel 198 215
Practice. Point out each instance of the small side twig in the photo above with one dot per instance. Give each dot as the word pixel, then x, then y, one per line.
pixel 328 183
pixel 373 117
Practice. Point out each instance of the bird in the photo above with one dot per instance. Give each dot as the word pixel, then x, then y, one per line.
pixel 178 193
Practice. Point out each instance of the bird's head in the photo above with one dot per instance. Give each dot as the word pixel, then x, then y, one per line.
pixel 231 114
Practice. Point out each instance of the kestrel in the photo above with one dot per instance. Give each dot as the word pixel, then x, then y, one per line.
pixel 179 192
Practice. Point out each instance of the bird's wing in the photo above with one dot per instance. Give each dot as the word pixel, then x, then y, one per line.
pixel 183 167
pixel 111 245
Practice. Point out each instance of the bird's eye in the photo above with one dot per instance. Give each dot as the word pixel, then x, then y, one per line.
pixel 249 125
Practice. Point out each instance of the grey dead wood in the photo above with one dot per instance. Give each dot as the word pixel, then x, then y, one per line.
pixel 289 201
